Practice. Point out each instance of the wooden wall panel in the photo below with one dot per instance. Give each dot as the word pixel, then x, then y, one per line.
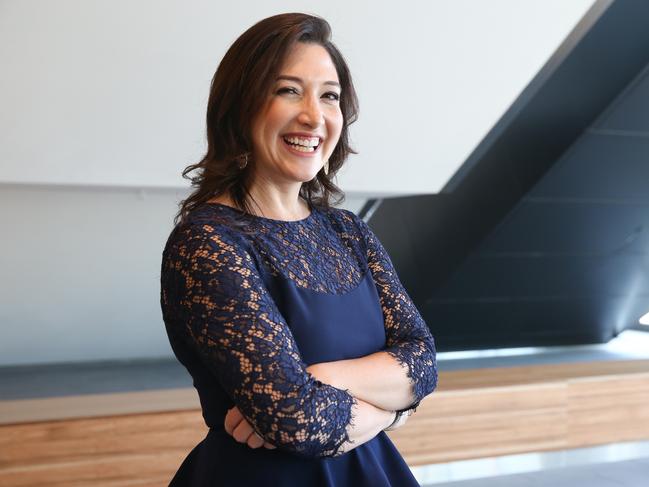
pixel 95 405
pixel 610 409
pixel 605 403
pixel 144 449
pixel 496 421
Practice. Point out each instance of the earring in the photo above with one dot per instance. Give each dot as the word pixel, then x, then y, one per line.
pixel 242 160
pixel 326 167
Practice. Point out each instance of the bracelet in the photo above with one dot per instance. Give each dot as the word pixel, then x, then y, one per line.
pixel 397 417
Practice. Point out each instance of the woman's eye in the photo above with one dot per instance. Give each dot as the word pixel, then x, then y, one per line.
pixel 332 96
pixel 287 90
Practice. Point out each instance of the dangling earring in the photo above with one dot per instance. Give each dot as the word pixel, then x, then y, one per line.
pixel 326 167
pixel 243 160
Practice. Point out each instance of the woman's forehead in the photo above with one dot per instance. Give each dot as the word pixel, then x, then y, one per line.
pixel 309 62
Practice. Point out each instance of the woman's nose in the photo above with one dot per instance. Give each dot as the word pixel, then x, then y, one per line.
pixel 311 113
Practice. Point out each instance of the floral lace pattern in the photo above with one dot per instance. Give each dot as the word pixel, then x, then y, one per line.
pixel 408 338
pixel 214 299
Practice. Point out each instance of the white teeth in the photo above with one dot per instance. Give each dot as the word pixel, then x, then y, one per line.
pixel 306 142
pixel 300 148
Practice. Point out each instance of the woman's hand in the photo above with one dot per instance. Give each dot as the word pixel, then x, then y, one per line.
pixel 240 429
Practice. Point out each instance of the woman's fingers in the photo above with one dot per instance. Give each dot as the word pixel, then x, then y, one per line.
pixel 242 431
pixel 255 441
pixel 237 426
pixel 232 420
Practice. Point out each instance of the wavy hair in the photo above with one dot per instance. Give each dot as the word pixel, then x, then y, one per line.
pixel 239 89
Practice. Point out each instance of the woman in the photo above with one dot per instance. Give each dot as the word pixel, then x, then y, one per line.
pixel 302 343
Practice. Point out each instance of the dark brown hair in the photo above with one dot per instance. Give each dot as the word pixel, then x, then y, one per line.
pixel 239 89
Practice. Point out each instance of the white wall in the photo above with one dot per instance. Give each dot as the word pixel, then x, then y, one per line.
pixel 114 92
pixel 81 272
pixel 103 105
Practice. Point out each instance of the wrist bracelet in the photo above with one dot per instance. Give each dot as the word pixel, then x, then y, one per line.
pixel 397 417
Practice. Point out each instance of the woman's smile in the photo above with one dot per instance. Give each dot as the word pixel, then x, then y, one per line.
pixel 303 146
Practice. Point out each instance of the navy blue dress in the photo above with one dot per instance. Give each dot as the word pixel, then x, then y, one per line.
pixel 248 303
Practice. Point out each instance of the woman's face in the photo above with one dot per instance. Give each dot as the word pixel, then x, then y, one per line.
pixel 302 111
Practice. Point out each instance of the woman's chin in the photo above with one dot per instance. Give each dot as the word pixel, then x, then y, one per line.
pixel 304 176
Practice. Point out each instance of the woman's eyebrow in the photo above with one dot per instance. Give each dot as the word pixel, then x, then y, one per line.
pixel 299 80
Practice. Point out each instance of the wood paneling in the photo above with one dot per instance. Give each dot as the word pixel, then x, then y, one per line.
pixel 490 412
pixel 473 414
pixel 94 405
pixel 609 409
pixel 142 449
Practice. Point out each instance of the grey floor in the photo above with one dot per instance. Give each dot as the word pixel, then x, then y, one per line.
pixel 628 345
pixel 71 379
pixel 625 464
pixel 629 473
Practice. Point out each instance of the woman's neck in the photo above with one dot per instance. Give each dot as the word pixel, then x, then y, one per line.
pixel 269 207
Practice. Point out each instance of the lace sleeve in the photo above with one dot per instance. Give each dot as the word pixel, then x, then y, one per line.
pixel 212 293
pixel 408 338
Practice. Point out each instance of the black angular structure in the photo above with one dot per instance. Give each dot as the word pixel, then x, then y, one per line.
pixel 542 236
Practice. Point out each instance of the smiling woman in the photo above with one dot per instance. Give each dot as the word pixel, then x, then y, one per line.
pixel 282 74
pixel 297 130
pixel 303 345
